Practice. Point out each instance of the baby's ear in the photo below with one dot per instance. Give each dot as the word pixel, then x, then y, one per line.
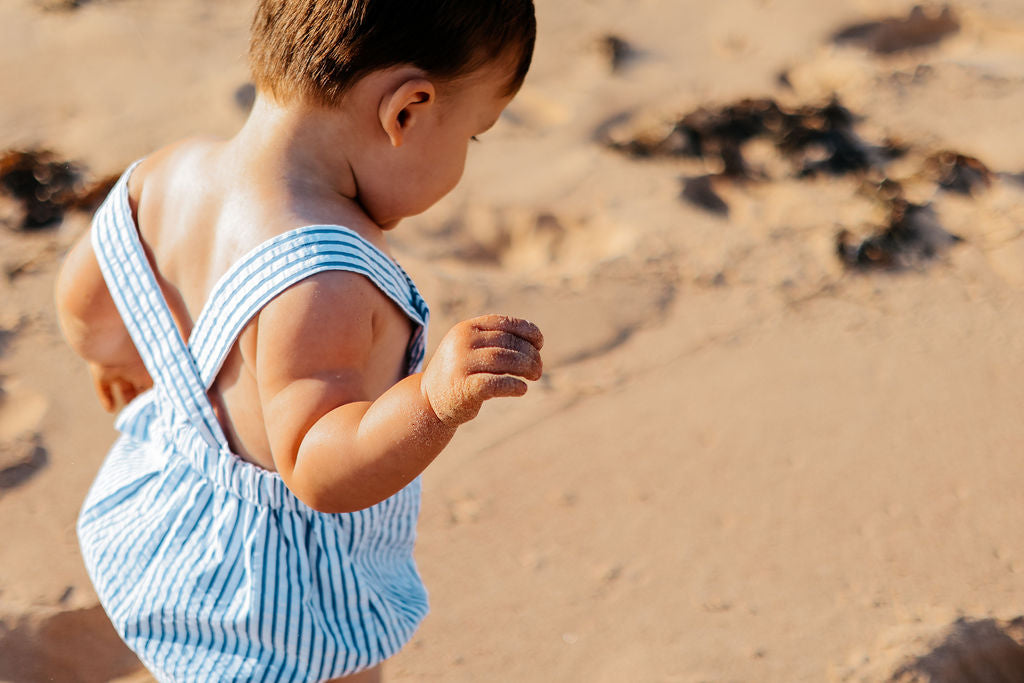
pixel 404 107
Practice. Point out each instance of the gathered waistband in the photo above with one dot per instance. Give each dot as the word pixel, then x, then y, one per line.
pixel 222 467
pixel 226 469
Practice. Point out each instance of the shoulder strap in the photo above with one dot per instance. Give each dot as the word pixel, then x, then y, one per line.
pixel 146 315
pixel 283 261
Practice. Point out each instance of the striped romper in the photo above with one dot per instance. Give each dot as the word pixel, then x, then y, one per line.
pixel 208 566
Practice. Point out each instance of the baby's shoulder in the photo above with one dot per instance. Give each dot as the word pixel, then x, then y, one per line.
pixel 175 164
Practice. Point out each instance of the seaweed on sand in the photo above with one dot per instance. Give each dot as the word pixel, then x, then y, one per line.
pixel 823 140
pixel 896 34
pixel 616 50
pixel 912 235
pixel 60 5
pixel 956 172
pixel 816 138
pixel 716 133
pixel 700 191
pixel 43 187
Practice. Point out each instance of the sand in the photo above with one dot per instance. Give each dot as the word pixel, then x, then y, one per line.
pixel 747 461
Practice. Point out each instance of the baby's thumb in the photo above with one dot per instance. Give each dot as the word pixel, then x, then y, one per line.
pixel 487 386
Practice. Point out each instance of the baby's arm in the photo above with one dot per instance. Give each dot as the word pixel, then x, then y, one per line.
pixel 337 450
pixel 95 331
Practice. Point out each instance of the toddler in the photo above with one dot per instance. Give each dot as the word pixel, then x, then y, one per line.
pixel 255 519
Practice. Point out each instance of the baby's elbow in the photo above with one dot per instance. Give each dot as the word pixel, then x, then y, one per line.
pixel 318 496
pixel 333 505
pixel 319 501
pixel 310 495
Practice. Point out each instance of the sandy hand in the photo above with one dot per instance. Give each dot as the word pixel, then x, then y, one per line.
pixel 480 359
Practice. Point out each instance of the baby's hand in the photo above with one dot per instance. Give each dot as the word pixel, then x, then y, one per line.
pixel 116 386
pixel 479 359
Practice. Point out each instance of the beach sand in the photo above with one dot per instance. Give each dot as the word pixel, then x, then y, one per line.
pixel 749 459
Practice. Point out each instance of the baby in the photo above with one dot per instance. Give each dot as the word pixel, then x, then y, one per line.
pixel 255 520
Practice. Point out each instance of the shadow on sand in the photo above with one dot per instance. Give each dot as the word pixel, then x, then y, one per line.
pixel 74 646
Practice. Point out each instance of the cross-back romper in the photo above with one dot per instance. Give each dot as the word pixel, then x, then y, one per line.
pixel 208 566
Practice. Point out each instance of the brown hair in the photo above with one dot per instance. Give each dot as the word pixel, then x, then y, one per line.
pixel 317 49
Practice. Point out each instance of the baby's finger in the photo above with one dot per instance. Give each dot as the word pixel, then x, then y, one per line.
pixel 502 361
pixel 107 399
pixel 496 339
pixel 517 326
pixel 103 393
pixel 128 391
pixel 485 386
pixel 118 390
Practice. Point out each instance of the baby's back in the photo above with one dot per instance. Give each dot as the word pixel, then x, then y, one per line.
pixel 199 210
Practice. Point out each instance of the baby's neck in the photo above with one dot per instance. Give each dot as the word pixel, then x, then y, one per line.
pixel 301 145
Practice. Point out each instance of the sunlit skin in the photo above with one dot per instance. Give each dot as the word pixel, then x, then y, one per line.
pixel 314 388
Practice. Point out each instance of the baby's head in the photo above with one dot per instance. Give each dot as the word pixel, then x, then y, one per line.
pixel 431 74
pixel 317 49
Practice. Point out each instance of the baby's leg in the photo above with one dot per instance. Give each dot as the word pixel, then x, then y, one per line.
pixel 368 676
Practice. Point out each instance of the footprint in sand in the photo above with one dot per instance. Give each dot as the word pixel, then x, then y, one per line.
pixel 7 335
pixel 535 111
pixel 464 510
pixel 22 453
pixel 526 241
pixel 589 269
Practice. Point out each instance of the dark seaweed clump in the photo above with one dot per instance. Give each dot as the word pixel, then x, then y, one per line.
pixel 817 140
pixel 245 97
pixel 700 191
pixel 896 34
pixel 616 50
pixel 44 187
pixel 956 172
pixel 912 235
pixel 60 5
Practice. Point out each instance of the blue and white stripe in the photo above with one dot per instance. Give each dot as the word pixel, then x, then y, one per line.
pixel 209 567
